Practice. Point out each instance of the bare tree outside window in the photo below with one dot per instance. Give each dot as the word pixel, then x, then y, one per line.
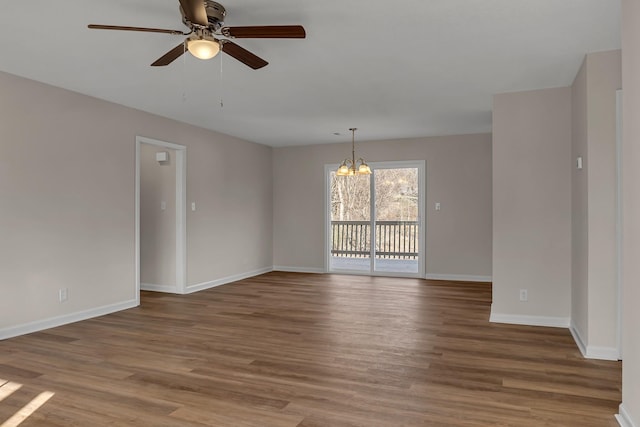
pixel 396 208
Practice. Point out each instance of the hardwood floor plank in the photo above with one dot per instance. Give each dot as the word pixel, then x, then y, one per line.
pixel 309 350
pixel 18 372
pixel 239 416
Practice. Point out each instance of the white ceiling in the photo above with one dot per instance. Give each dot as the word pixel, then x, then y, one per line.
pixel 407 68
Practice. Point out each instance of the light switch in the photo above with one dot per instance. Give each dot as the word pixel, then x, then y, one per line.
pixel 193 206
pixel 438 206
pixel 579 162
pixel 163 205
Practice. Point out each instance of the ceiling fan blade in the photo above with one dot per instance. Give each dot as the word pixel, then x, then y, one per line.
pixel 170 56
pixel 195 12
pixel 143 29
pixel 243 55
pixel 266 32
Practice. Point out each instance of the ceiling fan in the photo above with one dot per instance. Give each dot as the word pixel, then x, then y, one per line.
pixel 208 34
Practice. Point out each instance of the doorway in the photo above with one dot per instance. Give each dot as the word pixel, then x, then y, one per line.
pixel 375 222
pixel 160 216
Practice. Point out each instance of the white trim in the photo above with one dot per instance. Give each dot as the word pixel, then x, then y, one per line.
pixel 602 353
pixel 516 319
pixel 592 352
pixel 577 337
pixel 157 142
pixel 376 274
pixel 229 279
pixel 327 215
pixel 181 212
pixel 373 198
pixel 53 322
pixel 137 222
pixel 299 269
pixel 458 277
pixel 181 219
pixel 619 235
pixel 159 288
pixel 624 418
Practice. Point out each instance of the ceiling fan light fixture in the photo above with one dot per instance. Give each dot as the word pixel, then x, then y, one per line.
pixel 203 46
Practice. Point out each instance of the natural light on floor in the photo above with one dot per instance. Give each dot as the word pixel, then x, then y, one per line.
pixel 7 388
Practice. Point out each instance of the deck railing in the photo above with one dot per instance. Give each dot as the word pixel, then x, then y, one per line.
pixel 393 239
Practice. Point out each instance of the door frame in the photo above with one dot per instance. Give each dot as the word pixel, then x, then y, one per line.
pixel 619 218
pixel 181 212
pixel 422 197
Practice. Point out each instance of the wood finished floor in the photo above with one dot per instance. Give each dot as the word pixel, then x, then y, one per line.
pixel 287 349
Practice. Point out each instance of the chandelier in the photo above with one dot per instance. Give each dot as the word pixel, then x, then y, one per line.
pixel 348 166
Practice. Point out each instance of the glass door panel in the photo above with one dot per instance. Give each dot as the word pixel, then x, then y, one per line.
pixel 350 232
pixel 397 226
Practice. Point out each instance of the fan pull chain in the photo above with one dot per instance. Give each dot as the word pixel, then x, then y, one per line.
pixel 221 79
pixel 184 73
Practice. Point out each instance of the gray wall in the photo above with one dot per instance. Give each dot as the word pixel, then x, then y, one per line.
pixel 555 225
pixel 532 206
pixel 67 174
pixel 631 210
pixel 580 206
pixel 594 268
pixel 458 176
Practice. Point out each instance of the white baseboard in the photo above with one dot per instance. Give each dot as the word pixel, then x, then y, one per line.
pixel 298 269
pixel 223 281
pixel 577 337
pixel 516 319
pixel 591 351
pixel 452 277
pixel 602 353
pixel 624 418
pixel 458 277
pixel 53 322
pixel 158 288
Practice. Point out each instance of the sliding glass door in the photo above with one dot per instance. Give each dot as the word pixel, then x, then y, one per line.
pixel 374 221
pixel 350 213
pixel 397 229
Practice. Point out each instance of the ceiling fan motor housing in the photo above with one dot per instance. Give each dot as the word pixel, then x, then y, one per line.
pixel 215 14
pixel 215 11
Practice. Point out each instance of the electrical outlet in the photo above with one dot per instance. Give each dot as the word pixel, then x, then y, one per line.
pixel 524 295
pixel 63 295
